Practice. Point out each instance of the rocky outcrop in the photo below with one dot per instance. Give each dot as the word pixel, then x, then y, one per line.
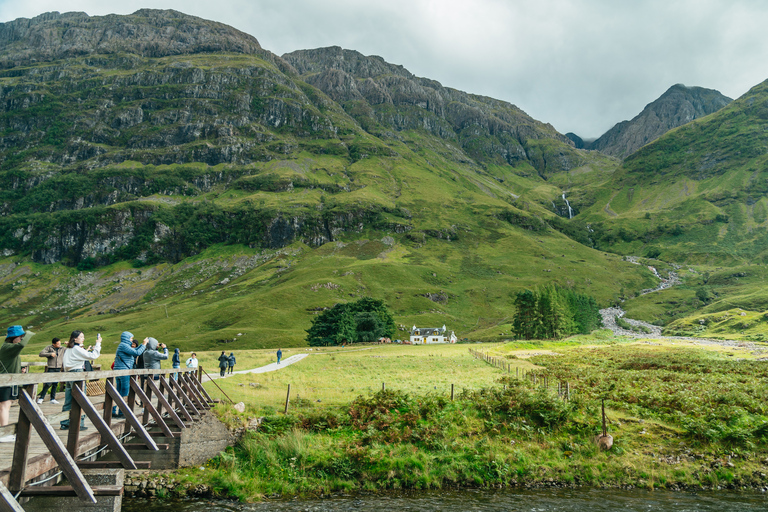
pixel 676 107
pixel 381 96
pixel 147 33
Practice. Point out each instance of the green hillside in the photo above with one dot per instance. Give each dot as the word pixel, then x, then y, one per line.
pixel 218 196
pixel 193 186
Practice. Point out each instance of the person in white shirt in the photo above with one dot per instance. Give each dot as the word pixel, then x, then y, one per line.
pixel 74 360
pixel 192 361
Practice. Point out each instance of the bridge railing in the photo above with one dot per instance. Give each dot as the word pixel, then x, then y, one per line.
pixel 172 399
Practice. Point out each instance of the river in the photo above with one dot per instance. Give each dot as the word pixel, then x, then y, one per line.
pixel 550 500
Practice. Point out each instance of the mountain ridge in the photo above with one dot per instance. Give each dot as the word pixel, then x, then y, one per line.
pixel 678 105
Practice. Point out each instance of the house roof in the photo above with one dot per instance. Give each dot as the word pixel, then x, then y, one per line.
pixel 428 331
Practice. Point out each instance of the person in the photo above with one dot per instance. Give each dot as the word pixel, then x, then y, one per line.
pixel 223 363
pixel 231 361
pixel 192 361
pixel 152 356
pixel 125 359
pixel 74 360
pixel 176 361
pixel 279 355
pixel 54 353
pixel 10 362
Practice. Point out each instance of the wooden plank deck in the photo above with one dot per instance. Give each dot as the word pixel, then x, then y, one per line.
pixel 40 460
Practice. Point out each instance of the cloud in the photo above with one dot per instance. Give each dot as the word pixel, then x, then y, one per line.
pixel 582 65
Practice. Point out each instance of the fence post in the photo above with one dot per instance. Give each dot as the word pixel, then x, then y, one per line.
pixel 451 392
pixel 287 399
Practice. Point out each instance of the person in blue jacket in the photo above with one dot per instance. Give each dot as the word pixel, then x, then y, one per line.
pixel 231 361
pixel 125 358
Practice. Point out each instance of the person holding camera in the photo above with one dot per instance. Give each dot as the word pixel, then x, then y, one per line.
pixel 10 362
pixel 152 356
pixel 74 360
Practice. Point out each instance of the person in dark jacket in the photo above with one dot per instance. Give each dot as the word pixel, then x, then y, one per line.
pixel 231 361
pixel 10 362
pixel 176 361
pixel 223 363
pixel 279 355
pixel 55 354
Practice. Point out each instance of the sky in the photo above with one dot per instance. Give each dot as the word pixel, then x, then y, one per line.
pixel 580 65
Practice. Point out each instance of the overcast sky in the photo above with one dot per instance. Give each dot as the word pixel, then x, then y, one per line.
pixel 581 65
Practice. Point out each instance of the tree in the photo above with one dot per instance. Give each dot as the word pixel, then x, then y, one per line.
pixel 525 324
pixel 553 312
pixel 366 319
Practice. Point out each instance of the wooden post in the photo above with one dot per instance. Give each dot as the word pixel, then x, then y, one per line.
pixel 451 392
pixel 382 386
pixel 287 399
pixel 517 372
pixel 568 391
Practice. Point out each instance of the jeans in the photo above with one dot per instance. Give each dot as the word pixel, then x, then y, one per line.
pixel 176 375
pixel 123 386
pixel 50 385
pixel 68 403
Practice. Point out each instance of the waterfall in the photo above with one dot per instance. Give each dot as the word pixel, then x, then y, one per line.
pixel 570 210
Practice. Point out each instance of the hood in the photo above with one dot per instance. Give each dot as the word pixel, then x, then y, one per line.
pixel 176 350
pixel 152 344
pixel 126 337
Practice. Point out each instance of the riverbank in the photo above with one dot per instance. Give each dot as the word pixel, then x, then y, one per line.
pixel 682 418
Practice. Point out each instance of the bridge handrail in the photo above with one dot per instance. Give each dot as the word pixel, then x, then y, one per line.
pixel 26 379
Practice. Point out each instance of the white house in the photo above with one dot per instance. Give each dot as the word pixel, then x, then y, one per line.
pixel 426 335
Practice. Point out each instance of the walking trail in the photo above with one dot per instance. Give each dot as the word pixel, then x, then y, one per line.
pixel 272 367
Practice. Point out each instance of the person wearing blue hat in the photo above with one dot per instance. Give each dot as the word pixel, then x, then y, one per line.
pixel 10 362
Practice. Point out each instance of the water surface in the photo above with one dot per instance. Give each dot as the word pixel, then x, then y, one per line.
pixel 555 500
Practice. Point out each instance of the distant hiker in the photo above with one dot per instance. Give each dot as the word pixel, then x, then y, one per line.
pixel 10 362
pixel 223 363
pixel 74 360
pixel 55 354
pixel 279 355
pixel 231 361
pixel 192 361
pixel 176 361
pixel 125 359
pixel 152 356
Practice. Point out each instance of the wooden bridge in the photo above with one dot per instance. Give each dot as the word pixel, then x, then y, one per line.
pixel 161 405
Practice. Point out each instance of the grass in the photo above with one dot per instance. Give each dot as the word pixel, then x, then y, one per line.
pixel 674 412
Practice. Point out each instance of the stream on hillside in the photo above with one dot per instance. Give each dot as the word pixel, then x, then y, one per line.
pixel 510 500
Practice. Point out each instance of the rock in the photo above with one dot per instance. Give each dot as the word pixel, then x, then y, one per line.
pixel 239 407
pixel 605 442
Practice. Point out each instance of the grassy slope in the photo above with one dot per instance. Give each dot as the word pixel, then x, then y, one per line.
pixel 674 412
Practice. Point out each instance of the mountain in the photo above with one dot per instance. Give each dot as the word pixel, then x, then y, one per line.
pixel 676 107
pixel 698 195
pixel 166 172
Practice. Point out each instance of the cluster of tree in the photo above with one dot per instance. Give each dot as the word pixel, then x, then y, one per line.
pixel 552 312
pixel 364 320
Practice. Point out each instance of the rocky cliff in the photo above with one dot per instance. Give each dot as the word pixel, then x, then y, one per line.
pixel 676 107
pixel 382 97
